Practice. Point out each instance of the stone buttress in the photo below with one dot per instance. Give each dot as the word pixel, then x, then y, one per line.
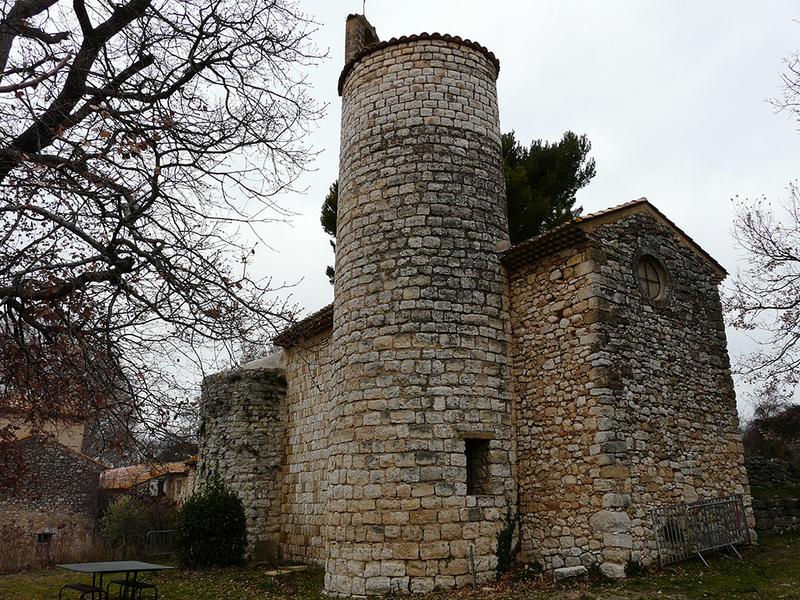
pixel 242 437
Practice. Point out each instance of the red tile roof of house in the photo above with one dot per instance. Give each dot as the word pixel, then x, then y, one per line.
pixel 124 478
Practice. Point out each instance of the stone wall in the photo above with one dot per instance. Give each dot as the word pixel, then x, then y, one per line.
pixel 242 427
pixel 556 366
pixel 305 481
pixel 623 404
pixel 56 497
pixel 776 515
pixel 421 329
pixel 771 472
pixel 668 427
pixel 775 484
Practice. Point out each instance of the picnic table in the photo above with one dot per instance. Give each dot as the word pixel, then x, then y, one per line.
pixel 131 569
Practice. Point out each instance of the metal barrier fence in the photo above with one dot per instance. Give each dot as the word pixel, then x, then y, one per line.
pixel 160 542
pixel 683 530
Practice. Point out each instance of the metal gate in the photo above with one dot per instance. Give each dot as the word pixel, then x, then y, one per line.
pixel 683 530
pixel 160 542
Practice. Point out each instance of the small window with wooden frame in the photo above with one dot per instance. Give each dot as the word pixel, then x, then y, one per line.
pixel 476 451
pixel 652 278
pixel 44 537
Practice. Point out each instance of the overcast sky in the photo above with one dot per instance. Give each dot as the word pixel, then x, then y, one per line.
pixel 672 94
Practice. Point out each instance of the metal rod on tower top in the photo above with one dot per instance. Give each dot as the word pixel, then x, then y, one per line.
pixel 364 7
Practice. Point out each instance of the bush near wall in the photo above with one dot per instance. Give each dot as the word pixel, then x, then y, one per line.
pixel 211 528
pixel 124 526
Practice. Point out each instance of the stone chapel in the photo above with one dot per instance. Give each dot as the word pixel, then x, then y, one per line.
pixel 458 385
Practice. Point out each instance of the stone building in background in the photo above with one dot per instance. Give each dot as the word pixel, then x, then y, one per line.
pixel 575 380
pixel 50 512
pixel 170 481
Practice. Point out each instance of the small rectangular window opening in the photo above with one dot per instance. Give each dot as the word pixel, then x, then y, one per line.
pixel 477 453
pixel 44 537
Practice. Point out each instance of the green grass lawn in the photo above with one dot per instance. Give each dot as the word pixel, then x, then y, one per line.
pixel 770 570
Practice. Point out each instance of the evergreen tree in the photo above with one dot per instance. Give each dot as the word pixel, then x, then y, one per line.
pixel 542 180
pixel 328 220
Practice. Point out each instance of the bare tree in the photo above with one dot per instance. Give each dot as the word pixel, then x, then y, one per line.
pixel 764 297
pixel 139 142
pixel 789 99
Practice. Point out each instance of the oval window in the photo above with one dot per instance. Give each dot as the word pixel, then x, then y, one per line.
pixel 652 278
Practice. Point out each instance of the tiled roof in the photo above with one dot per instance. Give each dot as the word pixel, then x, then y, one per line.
pixel 315 323
pixel 414 38
pixel 124 478
pixel 569 233
pixel 613 209
pixel 566 235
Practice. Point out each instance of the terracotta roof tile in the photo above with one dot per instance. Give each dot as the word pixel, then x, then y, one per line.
pixel 564 236
pixel 124 478
pixel 314 323
pixel 350 64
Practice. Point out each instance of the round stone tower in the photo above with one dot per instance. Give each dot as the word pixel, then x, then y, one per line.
pixel 420 442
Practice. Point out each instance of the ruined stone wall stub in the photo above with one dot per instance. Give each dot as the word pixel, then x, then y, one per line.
pixel 420 327
pixel 670 431
pixel 305 481
pixel 242 433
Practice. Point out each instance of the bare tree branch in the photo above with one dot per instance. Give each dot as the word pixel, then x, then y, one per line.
pixel 36 80
pixel 126 172
pixel 764 297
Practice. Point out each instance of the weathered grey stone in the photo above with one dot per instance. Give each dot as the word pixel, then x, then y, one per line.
pixel 569 573
pixel 606 521
pixel 613 570
pixel 241 411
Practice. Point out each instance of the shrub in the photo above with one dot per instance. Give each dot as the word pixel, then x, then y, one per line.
pixel 210 528
pixel 161 512
pixel 506 549
pixel 124 525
